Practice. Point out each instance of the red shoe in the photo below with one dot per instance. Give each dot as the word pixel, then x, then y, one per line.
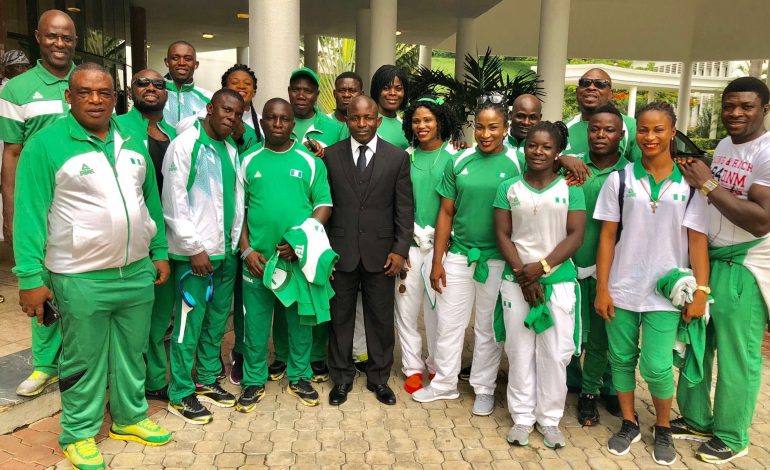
pixel 431 375
pixel 413 383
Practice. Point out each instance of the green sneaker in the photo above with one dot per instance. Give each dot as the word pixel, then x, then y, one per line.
pixel 35 384
pixel 84 455
pixel 145 432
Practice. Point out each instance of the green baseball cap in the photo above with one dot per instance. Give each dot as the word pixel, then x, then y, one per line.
pixel 306 72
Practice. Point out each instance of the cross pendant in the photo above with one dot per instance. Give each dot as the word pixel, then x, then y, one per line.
pixel 653 205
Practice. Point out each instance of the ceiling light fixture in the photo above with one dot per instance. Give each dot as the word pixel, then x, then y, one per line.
pixel 73 9
pixel 242 16
pixel 207 36
pixel 398 33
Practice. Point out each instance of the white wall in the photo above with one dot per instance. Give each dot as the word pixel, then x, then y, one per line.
pixel 212 65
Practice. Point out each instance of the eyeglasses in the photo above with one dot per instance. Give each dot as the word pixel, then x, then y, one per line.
pixel 599 83
pixel 494 98
pixel 159 84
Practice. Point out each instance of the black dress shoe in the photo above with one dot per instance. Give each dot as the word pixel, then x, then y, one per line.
pixel 384 394
pixel 339 394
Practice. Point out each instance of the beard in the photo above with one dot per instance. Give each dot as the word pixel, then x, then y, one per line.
pixel 144 107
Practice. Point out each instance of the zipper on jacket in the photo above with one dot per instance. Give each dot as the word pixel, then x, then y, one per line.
pixel 122 198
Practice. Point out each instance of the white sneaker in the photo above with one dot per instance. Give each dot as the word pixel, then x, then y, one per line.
pixel 484 404
pixel 35 384
pixel 519 435
pixel 552 436
pixel 429 394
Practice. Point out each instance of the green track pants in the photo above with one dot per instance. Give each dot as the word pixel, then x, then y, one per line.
pixel 46 346
pixel 737 327
pixel 596 373
pixel 262 307
pixel 157 360
pixel 238 309
pixel 281 341
pixel 204 327
pixel 105 324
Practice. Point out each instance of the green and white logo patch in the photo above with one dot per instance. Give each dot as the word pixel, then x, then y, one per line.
pixel 295 173
pixel 86 170
pixel 515 201
pixel 172 167
pixel 630 192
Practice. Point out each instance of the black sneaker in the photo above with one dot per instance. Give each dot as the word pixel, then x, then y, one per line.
pixel 248 400
pixel 663 452
pixel 320 371
pixel 303 390
pixel 361 366
pixel 191 410
pixel 681 430
pixel 161 394
pixel 717 452
pixel 215 394
pixel 236 370
pixel 620 442
pixel 276 370
pixel 465 374
pixel 588 415
pixel 612 405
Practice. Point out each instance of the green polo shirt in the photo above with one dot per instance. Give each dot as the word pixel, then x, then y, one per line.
pixel 392 131
pixel 640 172
pixel 578 139
pixel 518 145
pixel 320 127
pixel 30 102
pixel 585 256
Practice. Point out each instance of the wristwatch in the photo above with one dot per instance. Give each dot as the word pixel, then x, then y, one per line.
pixel 705 289
pixel 709 186
pixel 546 266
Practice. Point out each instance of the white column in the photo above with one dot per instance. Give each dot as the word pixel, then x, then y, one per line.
pixel 274 35
pixel 755 68
pixel 552 54
pixel 311 51
pixel 363 45
pixel 683 103
pixel 651 96
pixel 242 55
pixel 465 43
pixel 426 56
pixel 715 107
pixel 632 100
pixel 382 49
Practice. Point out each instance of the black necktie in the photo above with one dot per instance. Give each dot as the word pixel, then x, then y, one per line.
pixel 361 163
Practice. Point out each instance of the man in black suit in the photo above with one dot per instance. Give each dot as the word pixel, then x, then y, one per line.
pixel 371 229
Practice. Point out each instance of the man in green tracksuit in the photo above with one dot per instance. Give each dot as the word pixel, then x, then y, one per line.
pixel 738 189
pixel 185 99
pixel 284 186
pixel 605 132
pixel 88 224
pixel 29 103
pixel 203 206
pixel 145 122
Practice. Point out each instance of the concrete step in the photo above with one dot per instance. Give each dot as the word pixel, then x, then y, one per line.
pixel 16 411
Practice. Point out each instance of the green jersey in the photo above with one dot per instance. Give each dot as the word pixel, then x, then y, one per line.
pixel 392 131
pixel 185 102
pixel 320 127
pixel 471 181
pixel 282 190
pixel 301 126
pixel 578 139
pixel 342 127
pixel 518 145
pixel 585 256
pixel 30 102
pixel 427 172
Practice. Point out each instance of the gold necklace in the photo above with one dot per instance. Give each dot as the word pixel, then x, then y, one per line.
pixel 654 202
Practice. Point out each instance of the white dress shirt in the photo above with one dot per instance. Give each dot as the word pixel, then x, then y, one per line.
pixel 371 147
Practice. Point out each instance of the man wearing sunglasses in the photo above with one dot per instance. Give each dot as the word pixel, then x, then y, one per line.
pixel 146 124
pixel 29 103
pixel 594 91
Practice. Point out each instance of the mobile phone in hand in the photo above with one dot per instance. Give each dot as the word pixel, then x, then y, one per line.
pixel 50 313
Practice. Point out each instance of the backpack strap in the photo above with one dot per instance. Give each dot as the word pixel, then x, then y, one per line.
pixel 621 193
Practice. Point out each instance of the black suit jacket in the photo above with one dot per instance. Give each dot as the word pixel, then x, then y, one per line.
pixel 367 229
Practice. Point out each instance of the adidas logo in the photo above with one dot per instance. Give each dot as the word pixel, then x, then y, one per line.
pixel 258 174
pixel 86 170
pixel 515 202
pixel 172 167
pixel 37 96
pixel 630 192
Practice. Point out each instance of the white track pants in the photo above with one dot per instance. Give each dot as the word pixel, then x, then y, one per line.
pixel 537 376
pixel 408 314
pixel 453 310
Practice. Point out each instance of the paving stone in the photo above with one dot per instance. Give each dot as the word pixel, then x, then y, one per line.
pixel 127 460
pixel 209 447
pixel 330 457
pixel 274 459
pixel 375 457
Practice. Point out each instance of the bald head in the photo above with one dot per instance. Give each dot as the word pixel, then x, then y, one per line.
pixel 594 90
pixel 54 16
pixel 526 112
pixel 57 39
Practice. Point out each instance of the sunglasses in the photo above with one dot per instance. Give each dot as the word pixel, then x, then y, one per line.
pixel 159 84
pixel 599 83
pixel 494 98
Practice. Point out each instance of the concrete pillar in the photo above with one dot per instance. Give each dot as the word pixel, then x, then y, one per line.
pixel 363 45
pixel 552 54
pixel 426 56
pixel 651 95
pixel 311 51
pixel 632 100
pixel 138 38
pixel 683 103
pixel 465 43
pixel 273 22
pixel 715 107
pixel 242 55
pixel 755 68
pixel 382 49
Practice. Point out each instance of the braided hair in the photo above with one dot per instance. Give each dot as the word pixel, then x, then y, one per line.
pixel 245 68
pixel 557 130
pixel 448 124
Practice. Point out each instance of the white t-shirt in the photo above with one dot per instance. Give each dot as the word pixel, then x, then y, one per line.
pixel 538 217
pixel 651 244
pixel 737 167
